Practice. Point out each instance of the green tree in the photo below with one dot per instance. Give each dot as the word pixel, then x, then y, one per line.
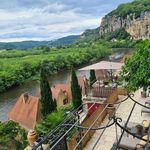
pixel 92 77
pixel 45 48
pixel 47 103
pixel 75 90
pixel 136 71
pixel 9 131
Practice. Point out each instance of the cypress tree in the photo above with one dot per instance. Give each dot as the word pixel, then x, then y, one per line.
pixel 75 90
pixel 92 77
pixel 47 103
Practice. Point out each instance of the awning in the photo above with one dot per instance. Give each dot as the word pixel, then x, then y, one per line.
pixel 104 65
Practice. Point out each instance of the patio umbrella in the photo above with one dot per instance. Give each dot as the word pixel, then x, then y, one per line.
pixel 108 65
pixel 104 65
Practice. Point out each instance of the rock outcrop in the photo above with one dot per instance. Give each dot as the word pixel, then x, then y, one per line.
pixel 138 28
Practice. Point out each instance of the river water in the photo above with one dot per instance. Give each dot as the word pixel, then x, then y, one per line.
pixel 9 98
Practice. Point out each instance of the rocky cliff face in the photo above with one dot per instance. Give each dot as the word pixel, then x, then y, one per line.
pixel 138 28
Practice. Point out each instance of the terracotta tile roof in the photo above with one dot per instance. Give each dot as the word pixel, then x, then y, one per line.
pixel 26 111
pixel 64 87
pixel 56 89
pixel 83 82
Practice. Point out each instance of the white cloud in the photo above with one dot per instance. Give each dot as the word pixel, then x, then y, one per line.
pixel 49 19
pixel 48 22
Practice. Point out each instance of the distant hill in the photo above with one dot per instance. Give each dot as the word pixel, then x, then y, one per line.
pixel 90 34
pixel 65 40
pixel 32 44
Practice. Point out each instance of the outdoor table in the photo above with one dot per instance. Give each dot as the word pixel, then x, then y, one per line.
pixel 134 130
pixel 147 102
pixel 129 125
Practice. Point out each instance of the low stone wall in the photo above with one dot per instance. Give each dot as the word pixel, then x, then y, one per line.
pixel 114 96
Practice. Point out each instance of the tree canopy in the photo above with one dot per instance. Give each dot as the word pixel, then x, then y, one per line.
pixel 136 71
pixel 137 6
pixel 16 66
pixel 9 131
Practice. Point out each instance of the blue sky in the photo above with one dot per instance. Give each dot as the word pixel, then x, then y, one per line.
pixel 50 19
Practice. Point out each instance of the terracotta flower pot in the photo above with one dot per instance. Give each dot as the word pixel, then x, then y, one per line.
pixel 111 110
pixel 32 137
pixel 139 129
pixel 143 94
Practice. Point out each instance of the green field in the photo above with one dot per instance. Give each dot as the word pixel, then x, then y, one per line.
pixel 17 65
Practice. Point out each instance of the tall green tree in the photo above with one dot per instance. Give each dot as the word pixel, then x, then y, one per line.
pixel 47 103
pixel 75 90
pixel 136 71
pixel 92 77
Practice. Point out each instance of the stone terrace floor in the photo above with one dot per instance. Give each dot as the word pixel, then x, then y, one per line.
pixel 109 136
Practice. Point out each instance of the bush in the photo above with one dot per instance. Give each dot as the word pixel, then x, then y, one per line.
pixel 9 131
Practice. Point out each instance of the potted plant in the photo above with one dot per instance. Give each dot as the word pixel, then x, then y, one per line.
pixel 32 137
pixel 110 110
pixel 139 129
pixel 105 82
pixel 143 93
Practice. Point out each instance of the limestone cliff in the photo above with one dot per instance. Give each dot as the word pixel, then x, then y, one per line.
pixel 138 28
pixel 133 17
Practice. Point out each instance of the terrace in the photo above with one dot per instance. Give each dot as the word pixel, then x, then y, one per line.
pixel 104 140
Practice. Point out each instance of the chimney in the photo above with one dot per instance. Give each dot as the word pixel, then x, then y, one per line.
pixel 65 92
pixel 84 79
pixel 25 97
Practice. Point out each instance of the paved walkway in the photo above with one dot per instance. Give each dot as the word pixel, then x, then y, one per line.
pixel 109 135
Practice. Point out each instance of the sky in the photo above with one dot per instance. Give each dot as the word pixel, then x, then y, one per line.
pixel 22 20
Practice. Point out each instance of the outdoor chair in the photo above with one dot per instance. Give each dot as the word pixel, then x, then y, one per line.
pixel 129 125
pixel 145 110
pixel 127 143
pixel 143 145
pixel 147 102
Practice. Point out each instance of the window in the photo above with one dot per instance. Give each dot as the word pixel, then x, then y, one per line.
pixel 65 101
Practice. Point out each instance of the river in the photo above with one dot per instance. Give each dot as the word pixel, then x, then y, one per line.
pixel 9 98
